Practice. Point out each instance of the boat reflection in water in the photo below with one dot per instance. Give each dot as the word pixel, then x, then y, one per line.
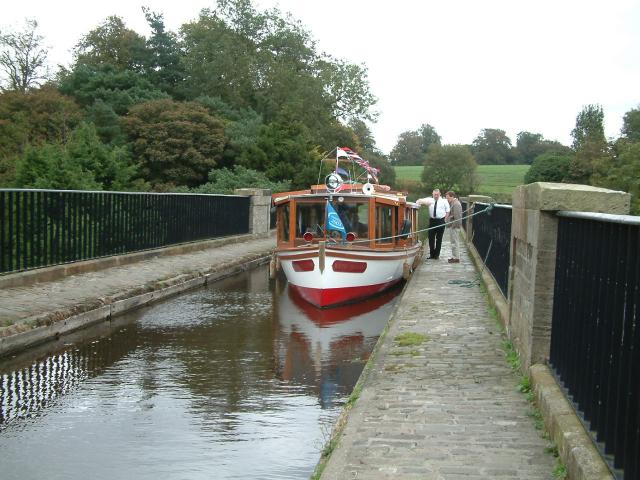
pixel 326 349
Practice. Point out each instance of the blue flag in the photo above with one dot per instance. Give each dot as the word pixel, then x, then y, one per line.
pixel 342 172
pixel 334 222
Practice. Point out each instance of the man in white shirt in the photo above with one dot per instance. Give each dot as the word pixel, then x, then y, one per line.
pixel 438 212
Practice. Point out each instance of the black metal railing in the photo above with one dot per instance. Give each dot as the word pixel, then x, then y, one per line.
pixel 48 227
pixel 492 239
pixel 595 337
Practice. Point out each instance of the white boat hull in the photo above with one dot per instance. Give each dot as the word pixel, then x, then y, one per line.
pixel 341 276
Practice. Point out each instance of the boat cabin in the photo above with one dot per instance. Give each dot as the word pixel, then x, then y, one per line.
pixel 379 220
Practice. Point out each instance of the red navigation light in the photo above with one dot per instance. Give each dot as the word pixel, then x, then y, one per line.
pixel 308 236
pixel 351 237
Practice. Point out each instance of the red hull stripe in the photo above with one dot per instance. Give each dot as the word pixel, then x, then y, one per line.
pixel 336 296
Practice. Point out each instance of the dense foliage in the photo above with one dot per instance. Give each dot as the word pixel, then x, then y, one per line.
pixel 246 91
pixel 176 143
pixel 549 167
pixel 236 87
pixel 225 180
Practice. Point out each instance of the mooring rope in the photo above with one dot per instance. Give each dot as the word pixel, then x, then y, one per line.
pixel 476 281
pixel 367 240
pixel 461 283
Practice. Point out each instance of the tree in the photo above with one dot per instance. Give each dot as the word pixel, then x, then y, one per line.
pixel 450 167
pixel 106 121
pixel 220 62
pixel 284 151
pixel 111 166
pixel 363 136
pixel 120 89
pixel 83 163
pixel 590 145
pixel 429 136
pixel 263 61
pixel 549 167
pixel 32 118
pixel 631 125
pixel 408 149
pixel 177 143
pixel 348 89
pixel 114 44
pixel 23 58
pixel 163 68
pixel 531 145
pixel 412 145
pixel 589 127
pixel 623 173
pixel 48 166
pixel 493 147
pixel 225 181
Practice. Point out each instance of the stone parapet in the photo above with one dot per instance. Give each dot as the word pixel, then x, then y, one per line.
pixel 534 234
pixel 549 196
pixel 259 209
pixel 579 455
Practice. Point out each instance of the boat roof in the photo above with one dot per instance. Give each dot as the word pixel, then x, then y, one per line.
pixel 321 192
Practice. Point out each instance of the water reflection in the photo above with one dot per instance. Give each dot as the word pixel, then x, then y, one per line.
pixel 239 380
pixel 327 349
pixel 26 391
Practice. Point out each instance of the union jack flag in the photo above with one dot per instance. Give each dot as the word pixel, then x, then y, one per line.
pixel 360 161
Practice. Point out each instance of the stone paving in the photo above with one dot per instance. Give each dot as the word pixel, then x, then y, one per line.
pixel 449 408
pixel 95 288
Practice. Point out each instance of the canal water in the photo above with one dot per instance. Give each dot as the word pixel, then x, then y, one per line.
pixel 241 379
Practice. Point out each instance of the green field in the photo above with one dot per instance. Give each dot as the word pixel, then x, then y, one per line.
pixel 494 179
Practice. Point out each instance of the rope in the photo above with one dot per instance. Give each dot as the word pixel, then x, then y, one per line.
pixel 486 210
pixel 461 283
pixel 476 281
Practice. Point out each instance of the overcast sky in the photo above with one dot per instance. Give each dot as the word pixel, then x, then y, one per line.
pixel 460 65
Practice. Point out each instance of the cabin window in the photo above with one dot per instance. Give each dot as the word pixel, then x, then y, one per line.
pixel 404 227
pixel 310 218
pixel 384 224
pixel 283 222
pixel 354 216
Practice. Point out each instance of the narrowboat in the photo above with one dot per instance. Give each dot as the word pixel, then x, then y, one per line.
pixel 347 239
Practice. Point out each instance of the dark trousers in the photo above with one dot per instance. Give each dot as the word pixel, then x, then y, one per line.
pixel 435 236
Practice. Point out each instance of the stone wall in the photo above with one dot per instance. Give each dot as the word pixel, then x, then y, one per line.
pixel 533 257
pixel 259 210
